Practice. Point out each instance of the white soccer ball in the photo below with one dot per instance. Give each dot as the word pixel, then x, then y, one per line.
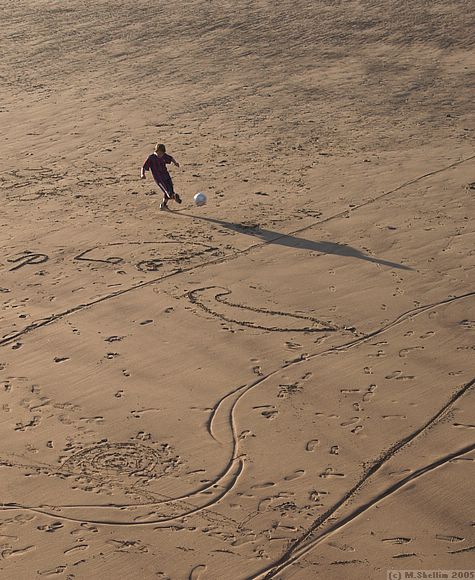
pixel 200 199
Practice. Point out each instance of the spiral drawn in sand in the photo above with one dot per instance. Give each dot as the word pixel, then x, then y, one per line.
pixel 123 460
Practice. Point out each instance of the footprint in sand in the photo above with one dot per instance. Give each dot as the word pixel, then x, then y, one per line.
pixel 10 552
pixel 53 571
pixel 397 540
pixel 298 473
pixel 78 548
pixel 405 351
pixel 330 472
pixel 270 414
pixel 351 421
pixel 312 445
pixel 264 485
pixel 451 539
pixel 399 376
pixel 51 527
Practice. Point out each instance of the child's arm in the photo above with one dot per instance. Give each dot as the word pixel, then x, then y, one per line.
pixel 145 167
pixel 170 159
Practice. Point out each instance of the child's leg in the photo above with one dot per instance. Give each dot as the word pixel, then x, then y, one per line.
pixel 166 185
pixel 166 195
pixel 170 190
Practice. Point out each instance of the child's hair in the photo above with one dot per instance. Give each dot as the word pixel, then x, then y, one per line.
pixel 160 147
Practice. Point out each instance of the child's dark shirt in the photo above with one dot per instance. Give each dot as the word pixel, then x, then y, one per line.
pixel 158 166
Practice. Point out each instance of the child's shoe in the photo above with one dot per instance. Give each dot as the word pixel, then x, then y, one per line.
pixel 177 198
pixel 163 206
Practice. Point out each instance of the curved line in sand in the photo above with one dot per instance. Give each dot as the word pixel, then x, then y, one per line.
pixel 55 511
pixel 219 295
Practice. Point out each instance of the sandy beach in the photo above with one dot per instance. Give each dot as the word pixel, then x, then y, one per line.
pixel 278 384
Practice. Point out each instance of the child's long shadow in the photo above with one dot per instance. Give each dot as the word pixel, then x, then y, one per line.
pixel 294 242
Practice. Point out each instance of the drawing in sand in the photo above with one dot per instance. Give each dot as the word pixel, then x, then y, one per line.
pixel 279 382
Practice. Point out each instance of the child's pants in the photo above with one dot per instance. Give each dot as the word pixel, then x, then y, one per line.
pixel 165 183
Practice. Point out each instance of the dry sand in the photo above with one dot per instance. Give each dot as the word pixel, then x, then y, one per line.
pixel 279 384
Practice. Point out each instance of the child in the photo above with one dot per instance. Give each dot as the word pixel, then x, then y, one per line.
pixel 157 163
